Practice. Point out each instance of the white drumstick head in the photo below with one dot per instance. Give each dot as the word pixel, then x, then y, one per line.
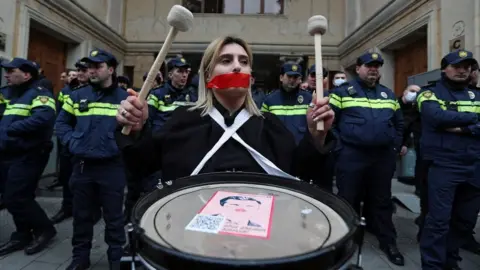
pixel 180 18
pixel 317 25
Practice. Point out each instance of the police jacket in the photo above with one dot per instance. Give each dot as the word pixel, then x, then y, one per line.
pixel 367 117
pixel 446 105
pixel 28 119
pixel 87 122
pixel 65 93
pixel 187 137
pixel 164 100
pixel 3 100
pixel 291 108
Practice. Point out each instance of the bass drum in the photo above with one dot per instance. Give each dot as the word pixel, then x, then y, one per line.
pixel 243 221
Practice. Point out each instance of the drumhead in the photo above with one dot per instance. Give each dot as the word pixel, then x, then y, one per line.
pixel 235 217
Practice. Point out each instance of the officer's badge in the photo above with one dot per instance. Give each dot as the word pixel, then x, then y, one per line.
pixel 168 99
pixel 187 98
pixel 300 99
pixel 384 95
pixel 44 100
pixel 462 54
pixel 182 60
pixel 471 95
pixel 294 68
pixel 374 56
pixel 94 53
pixel 428 94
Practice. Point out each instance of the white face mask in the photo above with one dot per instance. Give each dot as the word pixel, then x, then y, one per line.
pixel 411 96
pixel 338 82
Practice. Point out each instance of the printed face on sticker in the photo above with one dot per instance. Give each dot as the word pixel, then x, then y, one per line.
pixel 231 71
pixel 240 209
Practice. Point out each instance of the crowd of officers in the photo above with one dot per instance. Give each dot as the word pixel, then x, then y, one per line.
pixel 373 127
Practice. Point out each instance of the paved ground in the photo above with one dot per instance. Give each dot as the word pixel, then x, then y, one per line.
pixel 57 256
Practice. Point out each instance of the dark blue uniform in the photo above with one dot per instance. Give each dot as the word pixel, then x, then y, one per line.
pixel 454 175
pixel 164 100
pixel 3 105
pixel 291 107
pixel 26 129
pixel 369 124
pixel 86 126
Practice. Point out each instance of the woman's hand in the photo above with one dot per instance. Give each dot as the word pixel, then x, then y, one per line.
pixel 132 112
pixel 316 112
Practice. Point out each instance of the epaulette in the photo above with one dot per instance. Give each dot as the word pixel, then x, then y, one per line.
pixel 344 84
pixel 40 88
pixel 304 91
pixel 271 92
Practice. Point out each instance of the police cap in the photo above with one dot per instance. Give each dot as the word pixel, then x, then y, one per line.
pixel 81 64
pixel 100 56
pixel 369 58
pixel 312 69
pixel 457 57
pixel 23 65
pixel 178 62
pixel 291 69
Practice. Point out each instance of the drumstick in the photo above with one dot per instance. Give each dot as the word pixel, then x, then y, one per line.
pixel 317 26
pixel 180 19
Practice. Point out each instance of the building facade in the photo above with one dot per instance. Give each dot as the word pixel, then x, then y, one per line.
pixel 412 35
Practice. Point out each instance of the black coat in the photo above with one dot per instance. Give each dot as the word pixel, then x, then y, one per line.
pixel 186 138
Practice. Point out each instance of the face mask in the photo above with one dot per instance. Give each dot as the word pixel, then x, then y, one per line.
pixel 338 82
pixel 229 80
pixel 411 96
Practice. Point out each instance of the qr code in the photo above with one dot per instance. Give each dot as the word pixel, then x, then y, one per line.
pixel 206 223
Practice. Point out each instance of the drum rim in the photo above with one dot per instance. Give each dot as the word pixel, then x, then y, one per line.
pixel 352 222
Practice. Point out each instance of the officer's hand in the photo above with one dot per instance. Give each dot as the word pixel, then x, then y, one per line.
pixel 403 151
pixel 132 111
pixel 320 111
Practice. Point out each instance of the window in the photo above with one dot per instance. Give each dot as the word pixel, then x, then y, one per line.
pixel 235 6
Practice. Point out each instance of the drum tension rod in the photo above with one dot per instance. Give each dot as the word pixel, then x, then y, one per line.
pixel 161 183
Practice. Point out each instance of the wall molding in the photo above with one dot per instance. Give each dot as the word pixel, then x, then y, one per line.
pixel 101 30
pixel 381 19
pixel 283 49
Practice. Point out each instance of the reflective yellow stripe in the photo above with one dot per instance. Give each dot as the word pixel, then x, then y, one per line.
pixel 61 97
pixel 171 107
pixel 265 108
pixel 461 105
pixel 25 109
pixel 4 101
pixel 350 102
pixel 152 101
pixel 68 106
pixel 94 108
pixel 17 109
pixel 335 100
pixel 289 110
pixel 43 101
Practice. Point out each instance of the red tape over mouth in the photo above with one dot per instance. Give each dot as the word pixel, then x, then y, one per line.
pixel 230 80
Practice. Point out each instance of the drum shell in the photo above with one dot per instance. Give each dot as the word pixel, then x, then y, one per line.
pixel 335 256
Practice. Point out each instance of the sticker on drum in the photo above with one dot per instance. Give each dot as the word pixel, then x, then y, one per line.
pixel 239 214
pixel 297 223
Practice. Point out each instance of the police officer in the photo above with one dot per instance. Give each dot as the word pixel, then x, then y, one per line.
pixel 172 94
pixel 86 125
pixel 123 82
pixel 450 137
pixel 3 105
pixel 290 103
pixel 65 164
pixel 311 84
pixel 26 129
pixel 369 123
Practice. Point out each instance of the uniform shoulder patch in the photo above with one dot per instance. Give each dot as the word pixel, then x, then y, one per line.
pixel 427 94
pixel 78 87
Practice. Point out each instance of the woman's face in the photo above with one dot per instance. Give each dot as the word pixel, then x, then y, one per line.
pixel 232 58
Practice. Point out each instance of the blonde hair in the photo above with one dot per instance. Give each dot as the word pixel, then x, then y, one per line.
pixel 209 60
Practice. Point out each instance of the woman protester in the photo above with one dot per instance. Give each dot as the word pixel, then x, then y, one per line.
pixel 202 138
